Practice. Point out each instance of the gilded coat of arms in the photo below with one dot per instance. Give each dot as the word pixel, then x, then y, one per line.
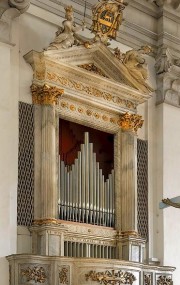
pixel 107 17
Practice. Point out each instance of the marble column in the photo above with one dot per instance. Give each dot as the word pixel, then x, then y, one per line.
pixel 130 243
pixel 46 190
pixel 45 240
pixel 129 181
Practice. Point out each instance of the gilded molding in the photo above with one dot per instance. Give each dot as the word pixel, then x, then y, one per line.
pixel 45 94
pixel 164 280
pixel 92 91
pixel 131 122
pixel 89 113
pixel 170 203
pixel 111 277
pixel 36 274
pixel 130 233
pixel 41 222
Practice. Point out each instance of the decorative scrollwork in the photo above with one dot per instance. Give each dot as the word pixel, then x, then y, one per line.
pixel 164 280
pixel 36 274
pixel 170 203
pixel 111 277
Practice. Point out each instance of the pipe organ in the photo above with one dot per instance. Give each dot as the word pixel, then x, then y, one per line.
pixel 85 195
pixel 77 249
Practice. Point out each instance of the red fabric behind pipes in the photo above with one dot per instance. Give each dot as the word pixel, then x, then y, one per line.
pixel 71 136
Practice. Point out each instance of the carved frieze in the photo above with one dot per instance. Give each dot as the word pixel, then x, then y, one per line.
pixel 164 280
pixel 92 91
pixel 131 122
pixel 111 277
pixel 90 113
pixel 45 95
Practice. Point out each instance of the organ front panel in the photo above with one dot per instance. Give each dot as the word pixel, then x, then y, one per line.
pixel 86 196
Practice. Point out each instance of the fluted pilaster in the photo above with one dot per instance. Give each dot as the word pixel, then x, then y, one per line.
pixel 46 193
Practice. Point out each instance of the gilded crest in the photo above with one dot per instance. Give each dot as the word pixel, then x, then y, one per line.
pixel 107 17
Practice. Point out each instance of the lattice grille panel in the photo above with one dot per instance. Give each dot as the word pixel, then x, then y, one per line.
pixel 25 197
pixel 142 187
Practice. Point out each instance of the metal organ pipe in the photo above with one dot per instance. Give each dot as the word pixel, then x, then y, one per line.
pixel 84 195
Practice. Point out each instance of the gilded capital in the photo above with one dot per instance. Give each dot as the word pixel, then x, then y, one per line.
pixel 131 122
pixel 45 94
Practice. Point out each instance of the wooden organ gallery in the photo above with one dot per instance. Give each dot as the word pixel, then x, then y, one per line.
pixel 85 228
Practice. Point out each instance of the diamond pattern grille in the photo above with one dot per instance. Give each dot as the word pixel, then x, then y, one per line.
pixel 25 196
pixel 142 187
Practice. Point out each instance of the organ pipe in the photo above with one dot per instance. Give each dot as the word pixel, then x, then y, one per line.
pixel 85 196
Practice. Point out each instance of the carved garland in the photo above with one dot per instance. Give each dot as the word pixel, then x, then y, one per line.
pixel 36 274
pixel 45 95
pixel 110 277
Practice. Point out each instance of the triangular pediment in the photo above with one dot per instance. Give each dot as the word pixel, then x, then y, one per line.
pixel 101 61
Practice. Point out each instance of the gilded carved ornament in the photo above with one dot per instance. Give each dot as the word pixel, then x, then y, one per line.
pixel 131 122
pixel 170 203
pixel 45 94
pixel 106 19
pixel 36 274
pixel 90 90
pixel 111 277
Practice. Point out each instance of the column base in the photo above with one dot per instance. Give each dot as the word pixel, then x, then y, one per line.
pixel 131 246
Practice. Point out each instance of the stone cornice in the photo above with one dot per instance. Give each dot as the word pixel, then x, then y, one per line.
pixel 60 69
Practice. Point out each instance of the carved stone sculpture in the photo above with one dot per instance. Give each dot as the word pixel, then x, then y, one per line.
pixel 173 3
pixel 65 37
pixel 136 64
pixel 168 72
